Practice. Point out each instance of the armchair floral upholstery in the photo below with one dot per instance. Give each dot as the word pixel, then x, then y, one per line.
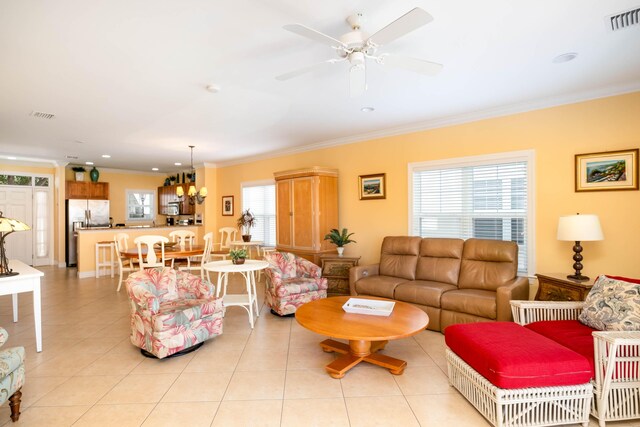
pixel 291 282
pixel 11 375
pixel 172 310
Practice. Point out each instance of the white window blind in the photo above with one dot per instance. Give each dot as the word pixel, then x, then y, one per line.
pixel 487 199
pixel 140 205
pixel 261 200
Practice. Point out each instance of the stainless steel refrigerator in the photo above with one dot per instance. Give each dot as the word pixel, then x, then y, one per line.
pixel 83 214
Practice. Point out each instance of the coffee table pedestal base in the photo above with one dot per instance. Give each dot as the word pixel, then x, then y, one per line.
pixel 359 351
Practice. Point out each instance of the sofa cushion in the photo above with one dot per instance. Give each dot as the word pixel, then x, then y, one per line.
pixel 399 256
pixel 570 333
pixel 612 305
pixel 471 301
pixel 380 286
pixel 502 352
pixel 439 260
pixel 422 292
pixel 488 264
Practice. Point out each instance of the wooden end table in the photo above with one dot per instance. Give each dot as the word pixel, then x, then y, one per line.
pixel 335 269
pixel 367 334
pixel 557 287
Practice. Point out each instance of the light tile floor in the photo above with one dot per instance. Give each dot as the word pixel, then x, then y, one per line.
pixel 89 374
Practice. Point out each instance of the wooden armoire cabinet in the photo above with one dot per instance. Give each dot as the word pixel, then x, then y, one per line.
pixel 306 209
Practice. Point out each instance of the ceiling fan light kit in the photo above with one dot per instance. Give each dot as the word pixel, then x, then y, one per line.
pixel 356 47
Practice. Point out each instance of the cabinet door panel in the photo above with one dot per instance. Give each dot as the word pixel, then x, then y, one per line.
pixel 283 213
pixel 303 208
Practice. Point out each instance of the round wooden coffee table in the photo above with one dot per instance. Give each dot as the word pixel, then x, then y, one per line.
pixel 366 333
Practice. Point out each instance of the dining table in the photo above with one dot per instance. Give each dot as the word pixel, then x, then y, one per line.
pixel 170 252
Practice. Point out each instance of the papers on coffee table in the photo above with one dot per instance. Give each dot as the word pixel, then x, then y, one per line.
pixel 368 306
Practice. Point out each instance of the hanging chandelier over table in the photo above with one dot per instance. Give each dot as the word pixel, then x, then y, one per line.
pixel 194 194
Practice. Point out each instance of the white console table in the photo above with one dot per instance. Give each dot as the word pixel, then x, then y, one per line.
pixel 27 281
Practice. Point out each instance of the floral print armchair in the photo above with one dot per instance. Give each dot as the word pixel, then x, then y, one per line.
pixel 11 375
pixel 172 311
pixel 291 282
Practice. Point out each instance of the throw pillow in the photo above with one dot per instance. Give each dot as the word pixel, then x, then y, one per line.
pixel 612 305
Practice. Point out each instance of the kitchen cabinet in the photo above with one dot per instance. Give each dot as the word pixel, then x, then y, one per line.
pixel 87 190
pixel 167 194
pixel 306 209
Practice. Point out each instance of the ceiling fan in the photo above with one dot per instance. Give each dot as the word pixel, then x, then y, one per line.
pixel 356 47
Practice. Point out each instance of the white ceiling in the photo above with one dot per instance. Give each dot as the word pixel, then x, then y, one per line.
pixel 127 78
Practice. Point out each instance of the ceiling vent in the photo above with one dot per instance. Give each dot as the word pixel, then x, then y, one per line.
pixel 623 20
pixel 41 115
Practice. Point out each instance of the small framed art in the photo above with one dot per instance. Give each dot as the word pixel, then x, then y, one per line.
pixel 372 186
pixel 606 171
pixel 227 205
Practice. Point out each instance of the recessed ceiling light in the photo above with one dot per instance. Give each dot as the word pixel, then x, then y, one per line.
pixel 12 158
pixel 565 57
pixel 106 156
pixel 88 163
pixel 367 109
pixel 155 169
pixel 213 88
pixel 178 164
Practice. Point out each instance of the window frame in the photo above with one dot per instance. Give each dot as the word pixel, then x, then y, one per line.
pixel 261 183
pixel 153 205
pixel 527 156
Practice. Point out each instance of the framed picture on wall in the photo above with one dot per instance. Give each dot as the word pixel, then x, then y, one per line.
pixel 372 186
pixel 227 205
pixel 606 171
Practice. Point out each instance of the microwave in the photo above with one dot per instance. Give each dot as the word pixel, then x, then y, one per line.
pixel 172 209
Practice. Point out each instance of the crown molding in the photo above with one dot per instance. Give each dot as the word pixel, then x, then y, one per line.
pixel 31 161
pixel 447 121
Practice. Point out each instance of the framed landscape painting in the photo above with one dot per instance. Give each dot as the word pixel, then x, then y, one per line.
pixel 611 170
pixel 227 205
pixel 372 186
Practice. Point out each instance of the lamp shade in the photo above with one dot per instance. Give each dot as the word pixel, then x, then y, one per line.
pixel 8 224
pixel 192 190
pixel 203 192
pixel 179 191
pixel 579 228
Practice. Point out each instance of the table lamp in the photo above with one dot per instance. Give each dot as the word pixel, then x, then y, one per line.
pixel 8 226
pixel 579 228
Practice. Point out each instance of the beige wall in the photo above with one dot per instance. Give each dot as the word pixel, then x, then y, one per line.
pixel 556 134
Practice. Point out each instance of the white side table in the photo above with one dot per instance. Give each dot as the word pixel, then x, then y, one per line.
pixel 249 300
pixel 28 280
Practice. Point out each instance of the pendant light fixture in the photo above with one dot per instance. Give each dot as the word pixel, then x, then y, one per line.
pixel 193 194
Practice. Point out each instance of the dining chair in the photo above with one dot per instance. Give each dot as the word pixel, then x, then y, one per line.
pixel 227 235
pixel 198 261
pixel 124 264
pixel 151 259
pixel 184 238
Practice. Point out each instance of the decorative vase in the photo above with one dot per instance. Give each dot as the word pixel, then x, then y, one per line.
pixel 246 237
pixel 79 176
pixel 238 261
pixel 94 174
pixel 340 250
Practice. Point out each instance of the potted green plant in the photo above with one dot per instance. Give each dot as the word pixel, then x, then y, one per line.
pixel 339 238
pixel 238 255
pixel 245 222
pixel 79 171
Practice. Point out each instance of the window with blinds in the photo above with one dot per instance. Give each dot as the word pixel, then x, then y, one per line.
pixel 485 197
pixel 260 198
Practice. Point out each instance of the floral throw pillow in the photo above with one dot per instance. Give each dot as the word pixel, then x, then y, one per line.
pixel 612 305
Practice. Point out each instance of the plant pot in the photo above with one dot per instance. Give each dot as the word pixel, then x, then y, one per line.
pixel 340 250
pixel 79 176
pixel 238 261
pixel 246 237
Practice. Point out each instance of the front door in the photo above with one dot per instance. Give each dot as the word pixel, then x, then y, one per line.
pixel 17 203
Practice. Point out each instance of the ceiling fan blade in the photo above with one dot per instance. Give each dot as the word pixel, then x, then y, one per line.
pixel 408 22
pixel 307 69
pixel 412 64
pixel 357 80
pixel 314 35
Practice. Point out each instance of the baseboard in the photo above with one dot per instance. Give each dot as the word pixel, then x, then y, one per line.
pixel 85 274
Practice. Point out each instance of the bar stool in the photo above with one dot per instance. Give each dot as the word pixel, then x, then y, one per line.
pixel 105 257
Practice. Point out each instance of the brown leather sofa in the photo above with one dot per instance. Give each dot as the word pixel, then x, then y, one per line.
pixel 452 280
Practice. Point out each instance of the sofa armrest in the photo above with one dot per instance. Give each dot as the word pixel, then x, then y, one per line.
pixel 525 312
pixel 517 289
pixel 360 272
